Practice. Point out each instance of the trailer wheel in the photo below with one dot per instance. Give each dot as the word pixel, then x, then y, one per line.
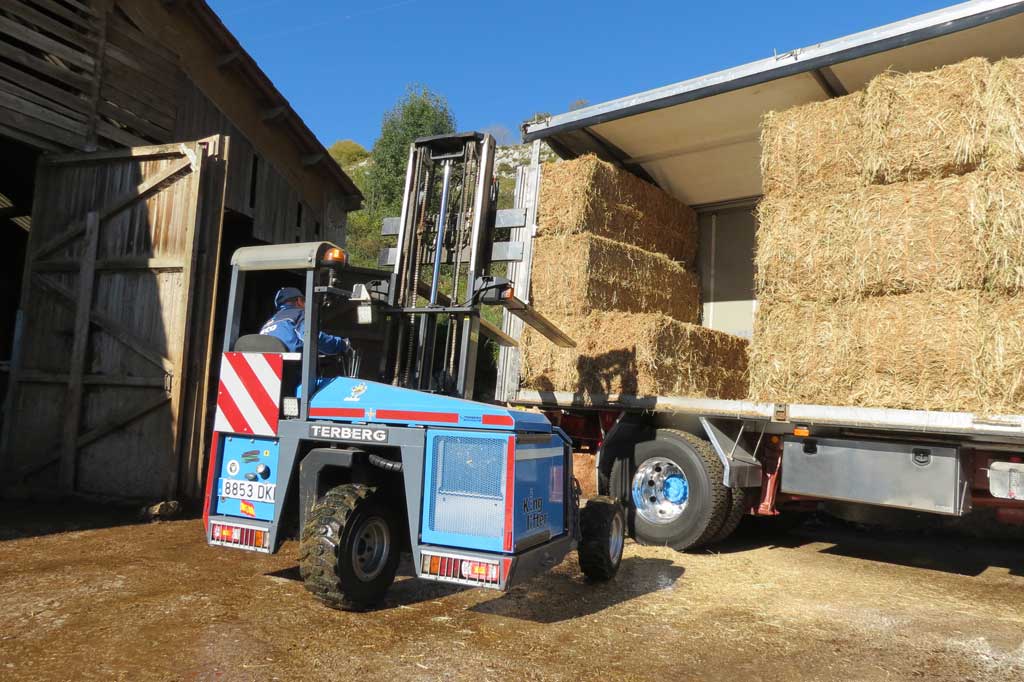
pixel 674 490
pixel 349 550
pixel 603 531
pixel 737 510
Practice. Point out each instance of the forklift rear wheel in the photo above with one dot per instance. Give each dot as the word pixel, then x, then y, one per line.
pixel 603 535
pixel 674 491
pixel 349 549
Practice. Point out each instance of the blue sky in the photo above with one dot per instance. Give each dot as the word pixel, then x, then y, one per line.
pixel 342 64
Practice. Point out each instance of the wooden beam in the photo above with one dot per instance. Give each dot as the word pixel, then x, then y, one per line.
pixel 50 46
pixel 312 159
pixel 108 425
pixel 228 58
pixel 115 263
pixel 73 397
pixel 117 421
pixel 65 296
pixel 273 113
pixel 12 212
pixel 36 377
pixel 141 191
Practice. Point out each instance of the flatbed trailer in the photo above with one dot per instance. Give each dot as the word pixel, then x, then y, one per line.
pixel 690 468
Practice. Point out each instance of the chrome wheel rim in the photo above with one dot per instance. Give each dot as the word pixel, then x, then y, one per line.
pixel 660 491
pixel 372 548
pixel 618 537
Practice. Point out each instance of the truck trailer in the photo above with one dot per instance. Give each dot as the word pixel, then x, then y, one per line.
pixel 689 469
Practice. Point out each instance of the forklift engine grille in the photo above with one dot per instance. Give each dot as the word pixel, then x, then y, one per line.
pixel 468 477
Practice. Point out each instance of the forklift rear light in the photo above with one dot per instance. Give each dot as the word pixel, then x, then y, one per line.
pixel 240 536
pixel 461 569
pixel 801 431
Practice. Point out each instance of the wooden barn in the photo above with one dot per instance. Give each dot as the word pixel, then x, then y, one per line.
pixel 140 145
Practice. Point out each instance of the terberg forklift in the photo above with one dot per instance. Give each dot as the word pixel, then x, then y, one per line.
pixel 480 495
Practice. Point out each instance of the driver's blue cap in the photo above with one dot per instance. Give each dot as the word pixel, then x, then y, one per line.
pixel 285 294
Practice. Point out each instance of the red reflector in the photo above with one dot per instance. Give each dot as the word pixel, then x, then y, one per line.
pixel 498 420
pixel 412 416
pixel 510 486
pixel 355 412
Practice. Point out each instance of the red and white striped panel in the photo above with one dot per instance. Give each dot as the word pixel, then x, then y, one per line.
pixel 249 393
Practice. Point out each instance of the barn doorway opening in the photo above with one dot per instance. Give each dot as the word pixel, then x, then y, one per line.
pixel 17 179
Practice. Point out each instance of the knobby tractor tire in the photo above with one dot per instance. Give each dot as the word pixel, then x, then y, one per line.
pixel 603 534
pixel 349 550
pixel 707 507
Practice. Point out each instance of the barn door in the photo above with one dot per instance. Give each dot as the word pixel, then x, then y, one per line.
pixel 99 376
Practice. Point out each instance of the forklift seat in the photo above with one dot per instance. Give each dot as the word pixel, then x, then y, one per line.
pixel 260 343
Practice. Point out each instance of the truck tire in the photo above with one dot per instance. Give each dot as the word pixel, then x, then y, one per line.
pixel 737 510
pixel 673 490
pixel 603 531
pixel 349 550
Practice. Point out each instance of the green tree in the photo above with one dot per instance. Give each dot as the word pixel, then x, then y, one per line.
pixel 420 112
pixel 347 153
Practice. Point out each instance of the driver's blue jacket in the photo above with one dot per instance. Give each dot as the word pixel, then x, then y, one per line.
pixel 289 325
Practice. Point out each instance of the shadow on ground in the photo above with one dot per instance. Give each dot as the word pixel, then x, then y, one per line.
pixel 936 548
pixel 549 598
pixel 406 591
pixel 562 596
pixel 37 518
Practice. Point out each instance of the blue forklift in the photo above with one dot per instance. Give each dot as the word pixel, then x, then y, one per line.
pixel 398 457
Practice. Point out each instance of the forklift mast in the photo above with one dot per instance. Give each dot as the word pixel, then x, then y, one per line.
pixel 444 233
pixel 443 267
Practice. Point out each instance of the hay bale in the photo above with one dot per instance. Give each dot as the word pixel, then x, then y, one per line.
pixel 962 232
pixel 955 351
pixel 1003 234
pixel 580 274
pixel 589 195
pixel 954 233
pixel 1005 106
pixel 636 354
pixel 929 124
pixel 815 147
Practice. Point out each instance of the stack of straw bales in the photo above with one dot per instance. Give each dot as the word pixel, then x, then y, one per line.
pixel 891 245
pixel 613 267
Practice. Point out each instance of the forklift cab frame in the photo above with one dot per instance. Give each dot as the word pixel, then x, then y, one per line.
pixel 311 258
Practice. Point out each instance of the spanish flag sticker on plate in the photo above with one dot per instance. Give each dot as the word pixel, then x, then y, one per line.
pixel 247 508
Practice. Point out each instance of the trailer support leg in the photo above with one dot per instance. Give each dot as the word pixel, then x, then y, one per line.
pixel 771 469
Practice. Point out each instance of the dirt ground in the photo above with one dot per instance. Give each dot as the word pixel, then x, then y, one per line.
pixel 101 597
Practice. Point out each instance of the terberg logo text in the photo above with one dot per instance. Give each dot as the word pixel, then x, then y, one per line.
pixel 349 433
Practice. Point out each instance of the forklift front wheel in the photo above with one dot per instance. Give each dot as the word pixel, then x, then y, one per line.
pixel 349 551
pixel 603 535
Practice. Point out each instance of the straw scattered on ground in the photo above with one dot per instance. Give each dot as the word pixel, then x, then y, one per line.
pixel 580 274
pixel 590 195
pixel 955 351
pixel 637 354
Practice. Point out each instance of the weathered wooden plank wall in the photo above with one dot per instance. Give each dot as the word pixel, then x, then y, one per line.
pixel 108 298
pixel 82 76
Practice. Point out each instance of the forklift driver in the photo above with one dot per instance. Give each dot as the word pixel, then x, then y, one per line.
pixel 288 325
